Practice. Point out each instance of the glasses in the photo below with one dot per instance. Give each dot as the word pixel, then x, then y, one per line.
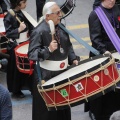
pixel 57 13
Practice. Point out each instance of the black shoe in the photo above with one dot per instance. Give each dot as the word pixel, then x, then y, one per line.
pixel 91 115
pixel 18 95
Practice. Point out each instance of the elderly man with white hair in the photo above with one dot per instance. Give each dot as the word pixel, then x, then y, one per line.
pixel 55 48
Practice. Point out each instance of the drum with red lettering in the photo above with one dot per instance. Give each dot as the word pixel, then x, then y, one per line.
pixel 88 80
pixel 22 61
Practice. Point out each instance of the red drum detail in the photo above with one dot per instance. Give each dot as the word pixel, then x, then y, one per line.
pixel 22 61
pixel 62 65
pixel 76 86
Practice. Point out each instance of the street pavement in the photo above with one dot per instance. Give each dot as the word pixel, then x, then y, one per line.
pixel 77 22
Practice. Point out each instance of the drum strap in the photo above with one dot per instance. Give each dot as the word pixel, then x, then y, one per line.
pixel 38 72
pixel 108 28
pixel 29 18
pixel 93 50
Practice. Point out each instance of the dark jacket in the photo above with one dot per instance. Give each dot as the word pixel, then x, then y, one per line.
pixel 98 36
pixel 3 6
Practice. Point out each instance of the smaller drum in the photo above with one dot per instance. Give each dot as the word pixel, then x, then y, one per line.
pixel 66 6
pixel 88 80
pixel 22 61
pixel 3 39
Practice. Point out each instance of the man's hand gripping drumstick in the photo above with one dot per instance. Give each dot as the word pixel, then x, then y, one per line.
pixel 22 24
pixel 53 45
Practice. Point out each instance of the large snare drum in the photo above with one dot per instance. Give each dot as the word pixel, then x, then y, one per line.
pixel 3 39
pixel 90 79
pixel 22 58
pixel 66 6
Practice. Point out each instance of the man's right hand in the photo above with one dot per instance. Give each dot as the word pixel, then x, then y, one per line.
pixel 53 45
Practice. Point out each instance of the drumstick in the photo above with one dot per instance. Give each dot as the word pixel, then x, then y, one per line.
pixel 4 36
pixel 13 14
pixel 52 28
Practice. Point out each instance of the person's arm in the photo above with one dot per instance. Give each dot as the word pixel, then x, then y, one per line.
pixel 96 35
pixel 10 27
pixel 36 50
pixel 5 104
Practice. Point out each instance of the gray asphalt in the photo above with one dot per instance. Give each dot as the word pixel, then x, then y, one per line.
pixel 22 108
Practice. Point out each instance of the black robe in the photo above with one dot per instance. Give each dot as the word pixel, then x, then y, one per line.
pixel 15 79
pixel 105 105
pixel 38 50
pixel 3 6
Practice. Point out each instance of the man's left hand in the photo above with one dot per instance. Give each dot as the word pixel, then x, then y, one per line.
pixel 75 62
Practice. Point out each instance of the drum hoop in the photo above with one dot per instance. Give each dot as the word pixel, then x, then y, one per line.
pixel 76 100
pixel 70 9
pixel 83 74
pixel 2 15
pixel 21 54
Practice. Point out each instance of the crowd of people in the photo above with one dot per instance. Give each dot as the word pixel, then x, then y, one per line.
pixel 53 48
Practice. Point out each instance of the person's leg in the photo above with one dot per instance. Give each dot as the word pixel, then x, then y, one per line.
pixel 39 7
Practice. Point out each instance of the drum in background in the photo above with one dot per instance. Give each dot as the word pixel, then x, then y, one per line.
pixel 66 6
pixel 116 55
pixel 3 39
pixel 90 79
pixel 22 61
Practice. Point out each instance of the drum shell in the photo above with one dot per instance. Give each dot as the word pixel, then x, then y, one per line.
pixel 89 88
pixel 22 61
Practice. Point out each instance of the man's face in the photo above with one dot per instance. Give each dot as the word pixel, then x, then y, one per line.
pixel 109 3
pixel 22 4
pixel 55 16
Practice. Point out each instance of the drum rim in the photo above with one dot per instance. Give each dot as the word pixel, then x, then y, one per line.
pixel 69 105
pixel 80 74
pixel 70 9
pixel 21 54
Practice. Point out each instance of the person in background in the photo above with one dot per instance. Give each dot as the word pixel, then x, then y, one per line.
pixel 39 7
pixel 3 7
pixel 97 3
pixel 42 47
pixel 5 104
pixel 16 31
pixel 101 108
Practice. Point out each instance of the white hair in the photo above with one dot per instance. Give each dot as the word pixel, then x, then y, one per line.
pixel 46 10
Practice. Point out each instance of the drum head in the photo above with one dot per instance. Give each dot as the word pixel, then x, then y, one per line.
pixel 79 70
pixel 66 6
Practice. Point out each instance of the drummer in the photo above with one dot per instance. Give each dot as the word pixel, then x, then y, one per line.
pixel 42 47
pixel 15 31
pixel 102 107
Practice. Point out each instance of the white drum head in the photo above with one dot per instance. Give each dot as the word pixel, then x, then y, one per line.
pixel 75 70
pixel 23 49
